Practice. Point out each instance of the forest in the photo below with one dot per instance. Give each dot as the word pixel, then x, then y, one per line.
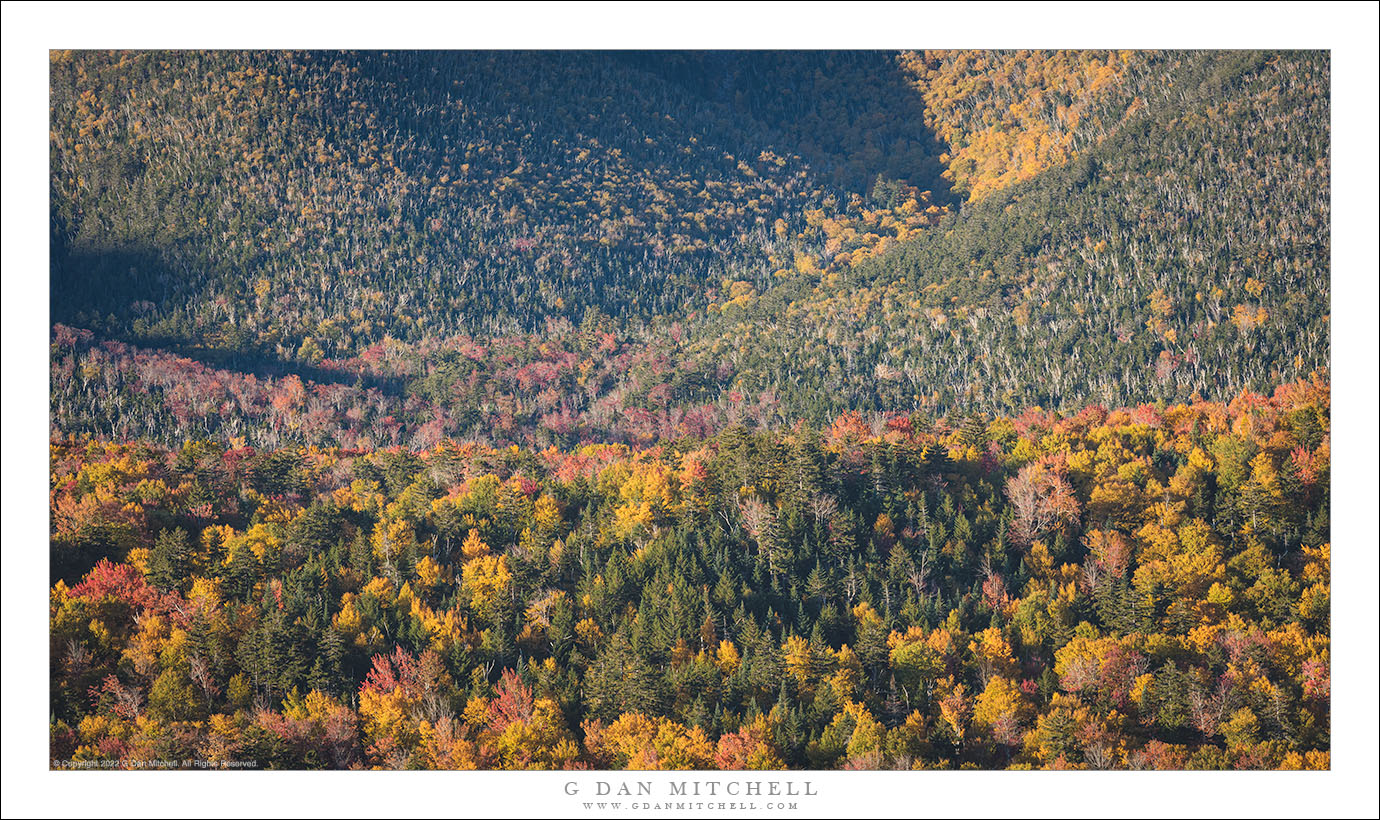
pixel 690 410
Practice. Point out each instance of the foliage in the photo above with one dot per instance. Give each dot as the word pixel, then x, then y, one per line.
pixel 669 410
pixel 1130 588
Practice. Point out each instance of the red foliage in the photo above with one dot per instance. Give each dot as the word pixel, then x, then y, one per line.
pixel 1162 756
pixel 1305 463
pixel 120 581
pixel 1117 677
pixel 391 672
pixel 512 702
pixel 414 676
pixel 1148 415
pixel 110 695
pixel 1317 680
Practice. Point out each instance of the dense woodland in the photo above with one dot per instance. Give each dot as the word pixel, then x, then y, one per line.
pixel 690 409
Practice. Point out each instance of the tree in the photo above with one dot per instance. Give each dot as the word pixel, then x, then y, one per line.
pixel 170 560
pixel 1042 501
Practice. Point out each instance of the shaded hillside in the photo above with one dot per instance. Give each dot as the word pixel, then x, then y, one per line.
pixel 852 115
pixel 301 205
pixel 1144 226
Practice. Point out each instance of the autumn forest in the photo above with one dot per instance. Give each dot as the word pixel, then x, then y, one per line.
pixel 690 410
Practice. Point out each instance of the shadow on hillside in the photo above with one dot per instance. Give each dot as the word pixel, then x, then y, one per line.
pixel 92 284
pixel 853 115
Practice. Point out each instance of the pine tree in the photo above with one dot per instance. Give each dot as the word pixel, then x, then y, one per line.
pixel 170 560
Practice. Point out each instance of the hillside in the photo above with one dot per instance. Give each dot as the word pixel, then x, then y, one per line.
pixel 1142 588
pixel 344 197
pixel 933 409
pixel 1185 252
pixel 312 214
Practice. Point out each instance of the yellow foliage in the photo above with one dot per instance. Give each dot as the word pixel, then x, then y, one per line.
pixel 728 658
pixel 1001 698
pixel 392 537
pixel 429 572
pixel 635 741
pixel 473 547
pixel 485 579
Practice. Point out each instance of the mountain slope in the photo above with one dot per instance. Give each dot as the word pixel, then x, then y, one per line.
pixel 489 240
pixel 1188 251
